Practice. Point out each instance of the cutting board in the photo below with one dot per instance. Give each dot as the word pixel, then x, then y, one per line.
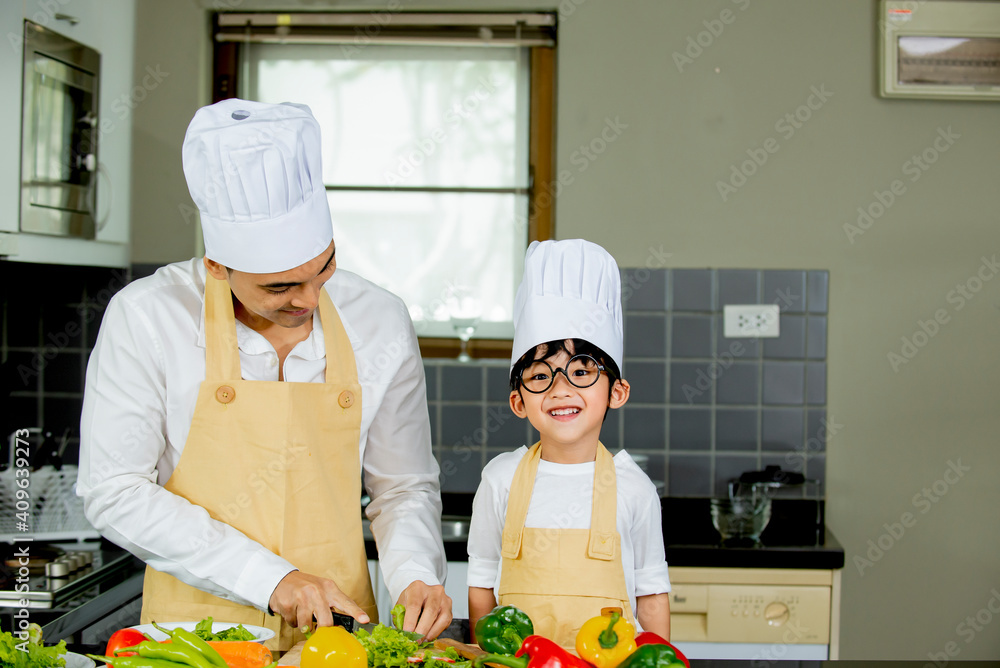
pixel 293 657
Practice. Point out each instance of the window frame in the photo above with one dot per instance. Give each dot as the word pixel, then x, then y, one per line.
pixel 541 126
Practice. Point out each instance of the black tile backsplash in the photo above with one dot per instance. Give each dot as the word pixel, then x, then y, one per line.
pixel 791 342
pixel 50 318
pixel 703 407
pixel 691 336
pixel 648 381
pixel 784 382
pixel 693 290
pixel 644 289
pixel 787 289
pixel 646 335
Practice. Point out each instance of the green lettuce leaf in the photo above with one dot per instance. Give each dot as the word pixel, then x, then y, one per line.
pixel 17 653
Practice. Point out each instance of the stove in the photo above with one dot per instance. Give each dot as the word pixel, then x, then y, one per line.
pixel 53 575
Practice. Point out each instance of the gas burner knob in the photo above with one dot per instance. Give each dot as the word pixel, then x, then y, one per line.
pixel 88 558
pixel 57 569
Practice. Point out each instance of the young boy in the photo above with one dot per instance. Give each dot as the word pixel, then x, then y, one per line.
pixel 564 529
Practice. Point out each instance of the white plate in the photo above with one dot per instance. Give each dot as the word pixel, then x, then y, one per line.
pixel 74 660
pixel 260 634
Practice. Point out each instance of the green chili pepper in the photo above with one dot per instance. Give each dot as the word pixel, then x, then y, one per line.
pixel 503 629
pixel 176 652
pixel 189 639
pixel 650 656
pixel 135 662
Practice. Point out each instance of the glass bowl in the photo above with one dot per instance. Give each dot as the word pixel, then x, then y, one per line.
pixel 741 518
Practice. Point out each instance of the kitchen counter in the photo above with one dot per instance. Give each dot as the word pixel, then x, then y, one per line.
pixel 796 536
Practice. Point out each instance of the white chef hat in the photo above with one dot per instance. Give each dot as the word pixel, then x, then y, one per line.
pixel 571 290
pixel 255 173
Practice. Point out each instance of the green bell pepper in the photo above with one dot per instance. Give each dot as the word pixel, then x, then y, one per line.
pixel 503 629
pixel 652 656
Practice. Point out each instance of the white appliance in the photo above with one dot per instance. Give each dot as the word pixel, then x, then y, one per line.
pixel 759 614
pixel 935 49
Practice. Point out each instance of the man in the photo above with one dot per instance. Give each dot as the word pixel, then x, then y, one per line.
pixel 232 402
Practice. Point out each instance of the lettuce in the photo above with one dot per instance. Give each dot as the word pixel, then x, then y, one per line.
pixel 389 648
pixel 17 653
pixel 204 631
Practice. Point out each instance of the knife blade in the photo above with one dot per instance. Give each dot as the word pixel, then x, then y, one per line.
pixel 349 623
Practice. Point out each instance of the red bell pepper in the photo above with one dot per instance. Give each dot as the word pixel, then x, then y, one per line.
pixel 535 652
pixel 650 638
pixel 124 638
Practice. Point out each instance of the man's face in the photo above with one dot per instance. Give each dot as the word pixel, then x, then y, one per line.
pixel 286 298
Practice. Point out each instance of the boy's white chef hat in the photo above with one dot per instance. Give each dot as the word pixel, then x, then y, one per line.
pixel 255 173
pixel 571 290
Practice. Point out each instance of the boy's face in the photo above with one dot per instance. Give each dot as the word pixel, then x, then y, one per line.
pixel 565 414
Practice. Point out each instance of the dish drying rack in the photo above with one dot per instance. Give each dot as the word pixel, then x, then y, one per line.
pixel 55 511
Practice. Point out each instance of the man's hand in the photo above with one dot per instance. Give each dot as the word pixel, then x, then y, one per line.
pixel 428 609
pixel 300 597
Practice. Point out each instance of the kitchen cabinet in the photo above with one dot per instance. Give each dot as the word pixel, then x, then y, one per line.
pixel 109 27
pixel 10 129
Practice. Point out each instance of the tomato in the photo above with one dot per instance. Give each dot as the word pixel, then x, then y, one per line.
pixel 123 638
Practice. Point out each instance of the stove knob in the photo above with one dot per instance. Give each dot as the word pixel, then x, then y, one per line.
pixel 57 569
pixel 776 614
pixel 88 558
pixel 75 561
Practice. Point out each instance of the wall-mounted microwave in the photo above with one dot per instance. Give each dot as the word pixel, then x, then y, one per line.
pixel 940 49
pixel 59 134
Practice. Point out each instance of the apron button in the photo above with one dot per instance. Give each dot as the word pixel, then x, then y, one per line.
pixel 225 394
pixel 346 399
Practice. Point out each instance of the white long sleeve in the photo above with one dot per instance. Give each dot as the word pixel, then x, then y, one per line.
pixel 142 384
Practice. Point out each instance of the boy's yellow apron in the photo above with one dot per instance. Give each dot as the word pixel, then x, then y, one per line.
pixel 563 577
pixel 278 461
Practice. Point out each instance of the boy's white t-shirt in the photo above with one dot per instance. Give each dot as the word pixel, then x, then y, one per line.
pixel 562 499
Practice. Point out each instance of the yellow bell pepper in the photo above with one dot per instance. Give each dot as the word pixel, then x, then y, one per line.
pixel 607 640
pixel 333 647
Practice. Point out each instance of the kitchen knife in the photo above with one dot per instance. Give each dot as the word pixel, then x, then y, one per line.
pixel 349 623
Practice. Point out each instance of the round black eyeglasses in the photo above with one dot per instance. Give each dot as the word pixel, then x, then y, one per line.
pixel 581 371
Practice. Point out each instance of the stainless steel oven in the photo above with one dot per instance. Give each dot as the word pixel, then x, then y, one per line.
pixel 59 134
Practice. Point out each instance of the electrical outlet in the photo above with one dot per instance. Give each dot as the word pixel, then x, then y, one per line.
pixel 750 320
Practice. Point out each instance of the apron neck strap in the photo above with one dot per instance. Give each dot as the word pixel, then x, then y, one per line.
pixel 222 353
pixel 518 501
pixel 340 364
pixel 604 511
pixel 603 518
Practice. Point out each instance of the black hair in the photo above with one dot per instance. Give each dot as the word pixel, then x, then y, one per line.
pixel 552 348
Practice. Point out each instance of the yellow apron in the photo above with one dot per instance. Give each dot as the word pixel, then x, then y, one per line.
pixel 278 461
pixel 563 577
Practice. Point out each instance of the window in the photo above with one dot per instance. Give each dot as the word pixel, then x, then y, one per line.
pixel 434 129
